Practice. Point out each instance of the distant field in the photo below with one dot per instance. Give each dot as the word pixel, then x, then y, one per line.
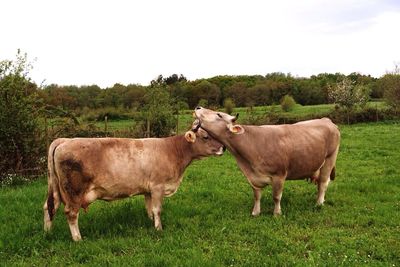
pixel 186 119
pixel 208 223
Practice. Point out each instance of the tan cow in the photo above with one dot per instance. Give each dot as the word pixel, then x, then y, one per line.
pixel 82 170
pixel 270 154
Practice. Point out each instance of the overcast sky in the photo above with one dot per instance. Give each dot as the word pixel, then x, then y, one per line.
pixel 85 42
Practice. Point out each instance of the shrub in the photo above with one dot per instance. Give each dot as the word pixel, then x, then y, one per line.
pixel 21 140
pixel 157 117
pixel 229 105
pixel 391 87
pixel 288 103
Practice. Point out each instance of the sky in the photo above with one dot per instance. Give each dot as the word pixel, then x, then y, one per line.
pixel 85 42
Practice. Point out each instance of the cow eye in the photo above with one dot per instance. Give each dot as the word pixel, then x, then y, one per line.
pixel 219 115
pixel 205 137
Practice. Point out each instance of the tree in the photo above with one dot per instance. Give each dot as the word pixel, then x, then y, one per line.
pixel 348 95
pixel 158 113
pixel 204 90
pixel 391 88
pixel 19 126
pixel 390 85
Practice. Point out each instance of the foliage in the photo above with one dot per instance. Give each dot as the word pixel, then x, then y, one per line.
pixel 348 95
pixel 390 83
pixel 157 119
pixel 204 90
pixel 229 105
pixel 20 134
pixel 203 103
pixel 244 90
pixel 287 103
pixel 208 223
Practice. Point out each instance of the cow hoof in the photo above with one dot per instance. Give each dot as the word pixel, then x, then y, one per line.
pixel 47 228
pixel 277 213
pixel 255 213
pixel 77 238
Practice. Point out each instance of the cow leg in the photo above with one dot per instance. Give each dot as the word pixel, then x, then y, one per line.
pixel 277 188
pixel 257 202
pixel 72 213
pixel 324 177
pixel 53 200
pixel 157 195
pixel 323 182
pixel 147 200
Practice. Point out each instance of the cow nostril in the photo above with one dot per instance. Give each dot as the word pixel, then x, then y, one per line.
pixel 198 107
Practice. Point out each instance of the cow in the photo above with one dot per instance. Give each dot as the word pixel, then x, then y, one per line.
pixel 82 170
pixel 271 154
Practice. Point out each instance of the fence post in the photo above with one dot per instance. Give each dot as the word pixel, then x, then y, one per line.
pixel 177 122
pixel 105 124
pixel 46 133
pixel 148 128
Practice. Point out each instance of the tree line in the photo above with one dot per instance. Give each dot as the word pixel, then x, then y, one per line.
pixel 244 90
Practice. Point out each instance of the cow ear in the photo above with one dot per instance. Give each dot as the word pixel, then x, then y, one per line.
pixel 190 136
pixel 236 129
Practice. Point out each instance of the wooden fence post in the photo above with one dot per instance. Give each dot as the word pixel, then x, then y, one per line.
pixel 105 124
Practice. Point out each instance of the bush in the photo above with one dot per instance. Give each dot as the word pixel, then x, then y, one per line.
pixel 391 86
pixel 157 117
pixel 21 140
pixel 288 103
pixel 229 105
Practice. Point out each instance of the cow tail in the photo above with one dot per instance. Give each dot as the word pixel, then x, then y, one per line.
pixel 333 173
pixel 53 191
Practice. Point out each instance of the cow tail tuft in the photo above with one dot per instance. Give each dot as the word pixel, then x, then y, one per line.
pixel 333 173
pixel 50 204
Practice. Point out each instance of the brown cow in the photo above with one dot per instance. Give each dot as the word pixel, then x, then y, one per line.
pixel 270 154
pixel 82 170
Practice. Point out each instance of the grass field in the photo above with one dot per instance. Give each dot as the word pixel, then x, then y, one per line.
pixel 208 223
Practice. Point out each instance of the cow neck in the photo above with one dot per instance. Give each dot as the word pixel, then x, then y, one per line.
pixel 237 144
pixel 182 150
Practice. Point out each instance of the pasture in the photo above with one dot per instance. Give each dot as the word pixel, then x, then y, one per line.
pixel 299 112
pixel 208 223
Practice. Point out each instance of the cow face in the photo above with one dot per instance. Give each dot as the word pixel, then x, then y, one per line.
pixel 217 123
pixel 203 144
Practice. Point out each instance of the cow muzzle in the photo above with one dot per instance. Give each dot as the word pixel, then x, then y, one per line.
pixel 196 125
pixel 220 151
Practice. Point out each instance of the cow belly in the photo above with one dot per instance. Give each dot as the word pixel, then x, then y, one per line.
pixel 305 170
pixel 115 192
pixel 260 181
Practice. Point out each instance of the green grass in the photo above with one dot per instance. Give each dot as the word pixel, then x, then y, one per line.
pixel 208 223
pixel 299 111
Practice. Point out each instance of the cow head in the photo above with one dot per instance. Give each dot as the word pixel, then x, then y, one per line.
pixel 202 143
pixel 217 123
